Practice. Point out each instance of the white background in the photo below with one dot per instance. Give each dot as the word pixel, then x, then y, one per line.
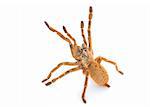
pixel 120 31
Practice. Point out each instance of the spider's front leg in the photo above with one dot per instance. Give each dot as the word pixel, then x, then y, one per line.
pixel 82 32
pixel 65 73
pixel 69 35
pixel 99 59
pixel 58 66
pixel 89 28
pixel 58 33
pixel 85 86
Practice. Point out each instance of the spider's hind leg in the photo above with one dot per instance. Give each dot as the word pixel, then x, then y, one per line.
pixel 99 59
pixel 85 86
pixel 107 85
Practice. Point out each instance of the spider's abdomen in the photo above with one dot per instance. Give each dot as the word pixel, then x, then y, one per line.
pixel 98 73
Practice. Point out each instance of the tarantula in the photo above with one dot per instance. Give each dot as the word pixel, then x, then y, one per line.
pixel 84 58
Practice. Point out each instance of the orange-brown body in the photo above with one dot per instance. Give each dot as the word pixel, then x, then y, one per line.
pixel 95 69
pixel 98 73
pixel 84 59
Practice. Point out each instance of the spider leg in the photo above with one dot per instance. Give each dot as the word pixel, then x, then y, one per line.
pixel 58 66
pixel 69 35
pixel 85 87
pixel 107 85
pixel 89 28
pixel 82 32
pixel 58 33
pixel 63 74
pixel 99 59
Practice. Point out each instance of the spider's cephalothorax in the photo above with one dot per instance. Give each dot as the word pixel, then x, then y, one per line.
pixel 84 59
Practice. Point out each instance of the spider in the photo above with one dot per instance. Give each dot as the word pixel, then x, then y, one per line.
pixel 84 58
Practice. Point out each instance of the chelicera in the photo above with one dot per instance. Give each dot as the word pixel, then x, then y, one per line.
pixel 84 58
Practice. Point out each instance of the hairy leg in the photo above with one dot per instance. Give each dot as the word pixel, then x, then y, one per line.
pixel 58 66
pixel 99 59
pixel 63 37
pixel 85 87
pixel 69 35
pixel 65 73
pixel 89 28
pixel 107 85
pixel 58 33
pixel 82 32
